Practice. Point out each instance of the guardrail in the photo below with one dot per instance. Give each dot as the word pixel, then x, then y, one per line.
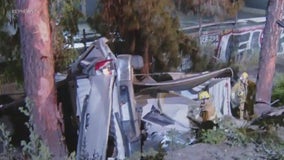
pixel 256 20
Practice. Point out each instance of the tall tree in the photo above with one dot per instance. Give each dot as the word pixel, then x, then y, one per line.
pixel 268 55
pixel 149 28
pixel 38 66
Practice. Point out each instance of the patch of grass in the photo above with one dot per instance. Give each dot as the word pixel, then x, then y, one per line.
pixel 278 90
pixel 213 136
pixel 270 145
pixel 158 156
pixel 267 143
pixel 228 132
pixel 151 154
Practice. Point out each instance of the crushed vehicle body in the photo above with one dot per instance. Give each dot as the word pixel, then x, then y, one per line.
pixel 119 115
pixel 105 104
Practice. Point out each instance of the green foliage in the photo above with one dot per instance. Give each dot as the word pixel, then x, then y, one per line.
pixel 270 145
pixel 66 14
pixel 71 15
pixel 218 9
pixel 267 142
pixel 203 59
pixel 150 154
pixel 63 56
pixel 185 6
pixel 227 132
pixel 5 7
pixel 72 156
pixel 155 155
pixel 9 152
pixel 238 136
pixel 273 150
pixel 143 27
pixel 11 69
pixel 35 148
pixel 221 9
pixel 64 59
pixel 278 90
pixel 213 136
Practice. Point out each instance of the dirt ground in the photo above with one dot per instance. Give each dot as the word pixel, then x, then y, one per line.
pixel 260 149
pixel 203 151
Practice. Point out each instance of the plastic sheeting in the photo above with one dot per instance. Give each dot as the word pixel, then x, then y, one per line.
pixel 220 90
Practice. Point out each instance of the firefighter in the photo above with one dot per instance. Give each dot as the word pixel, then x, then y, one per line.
pixel 239 94
pixel 205 118
pixel 207 109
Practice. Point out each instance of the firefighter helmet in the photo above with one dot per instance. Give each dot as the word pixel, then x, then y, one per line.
pixel 244 77
pixel 203 95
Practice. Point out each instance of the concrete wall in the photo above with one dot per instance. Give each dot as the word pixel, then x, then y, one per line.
pixel 238 42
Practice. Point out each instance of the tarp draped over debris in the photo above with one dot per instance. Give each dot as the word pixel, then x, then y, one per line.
pixel 167 104
pixel 186 83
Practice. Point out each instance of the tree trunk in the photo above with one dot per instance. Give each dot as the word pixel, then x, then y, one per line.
pixel 133 42
pixel 38 66
pixel 268 54
pixel 200 21
pixel 146 58
pixel 179 5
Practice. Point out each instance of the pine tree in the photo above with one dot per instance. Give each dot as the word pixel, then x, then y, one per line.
pixel 149 28
pixel 38 67
pixel 268 55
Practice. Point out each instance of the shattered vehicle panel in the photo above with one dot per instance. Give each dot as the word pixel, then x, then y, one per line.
pixel 111 111
pixel 96 115
pixel 167 110
pixel 105 104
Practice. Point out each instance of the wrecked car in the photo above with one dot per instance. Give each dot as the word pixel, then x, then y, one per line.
pixel 119 114
pixel 109 124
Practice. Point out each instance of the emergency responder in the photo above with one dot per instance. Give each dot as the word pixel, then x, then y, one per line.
pixel 239 94
pixel 206 117
pixel 208 112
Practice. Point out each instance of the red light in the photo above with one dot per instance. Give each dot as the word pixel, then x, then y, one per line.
pixel 102 64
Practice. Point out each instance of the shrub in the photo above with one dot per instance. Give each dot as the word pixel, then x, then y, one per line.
pixel 35 148
pixel 278 90
pixel 8 151
pixel 213 136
